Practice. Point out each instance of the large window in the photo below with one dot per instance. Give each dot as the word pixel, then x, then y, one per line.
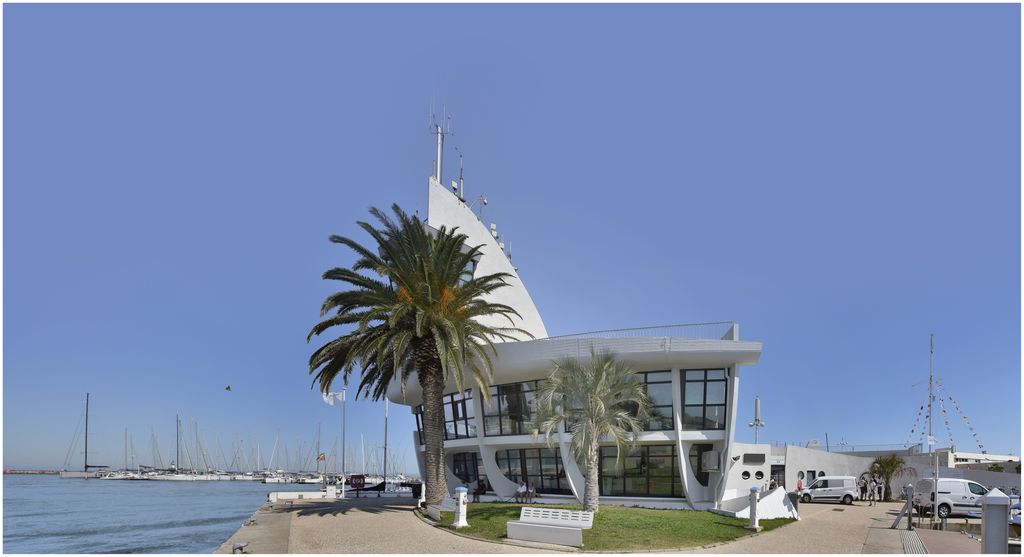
pixel 541 468
pixel 469 468
pixel 659 390
pixel 458 417
pixel 645 471
pixel 511 409
pixel 704 399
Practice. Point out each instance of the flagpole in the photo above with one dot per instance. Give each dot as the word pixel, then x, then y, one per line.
pixel 344 461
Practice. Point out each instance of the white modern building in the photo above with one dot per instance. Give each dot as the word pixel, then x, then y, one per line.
pixel 685 459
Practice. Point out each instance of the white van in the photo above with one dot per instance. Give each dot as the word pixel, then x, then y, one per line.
pixel 956 496
pixel 831 488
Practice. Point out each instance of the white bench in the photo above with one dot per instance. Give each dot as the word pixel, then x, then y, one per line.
pixel 434 511
pixel 557 526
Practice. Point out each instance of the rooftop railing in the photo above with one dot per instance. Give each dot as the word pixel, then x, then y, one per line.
pixel 718 330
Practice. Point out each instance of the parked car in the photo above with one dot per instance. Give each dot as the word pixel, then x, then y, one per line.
pixel 831 488
pixel 956 496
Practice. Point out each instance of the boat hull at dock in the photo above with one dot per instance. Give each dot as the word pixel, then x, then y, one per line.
pixel 68 474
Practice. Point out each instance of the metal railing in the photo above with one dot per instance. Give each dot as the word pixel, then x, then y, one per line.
pixel 692 331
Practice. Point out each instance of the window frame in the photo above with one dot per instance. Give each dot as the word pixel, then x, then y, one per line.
pixel 504 420
pixel 668 418
pixel 460 408
pixel 514 464
pixel 673 476
pixel 704 405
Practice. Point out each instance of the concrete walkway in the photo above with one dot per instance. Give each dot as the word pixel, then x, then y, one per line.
pixel 827 528
pixel 366 525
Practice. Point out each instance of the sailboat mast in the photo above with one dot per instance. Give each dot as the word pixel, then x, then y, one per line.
pixel 177 442
pixel 85 463
pixel 126 448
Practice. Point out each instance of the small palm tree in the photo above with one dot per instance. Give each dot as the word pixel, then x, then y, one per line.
pixel 888 467
pixel 598 399
pixel 418 309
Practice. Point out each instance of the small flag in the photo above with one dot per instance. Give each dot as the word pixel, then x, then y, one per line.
pixel 321 456
pixel 330 398
pixel 931 440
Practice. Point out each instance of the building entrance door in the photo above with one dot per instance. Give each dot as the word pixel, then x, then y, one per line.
pixel 779 474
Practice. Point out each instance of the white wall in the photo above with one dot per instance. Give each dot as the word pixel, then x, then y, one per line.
pixel 445 209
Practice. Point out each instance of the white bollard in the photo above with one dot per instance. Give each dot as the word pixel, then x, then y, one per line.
pixel 995 522
pixel 460 508
pixel 423 494
pixel 753 510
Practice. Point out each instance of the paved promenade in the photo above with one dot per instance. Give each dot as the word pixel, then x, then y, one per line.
pixel 827 528
pixel 388 525
pixel 365 525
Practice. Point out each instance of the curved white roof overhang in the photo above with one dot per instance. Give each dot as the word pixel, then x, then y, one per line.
pixel 534 359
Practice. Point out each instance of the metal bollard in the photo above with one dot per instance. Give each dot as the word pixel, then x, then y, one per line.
pixel 995 522
pixel 460 508
pixel 753 510
pixel 909 491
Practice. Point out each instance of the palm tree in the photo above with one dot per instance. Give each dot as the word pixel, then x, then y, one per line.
pixel 599 398
pixel 887 467
pixel 413 306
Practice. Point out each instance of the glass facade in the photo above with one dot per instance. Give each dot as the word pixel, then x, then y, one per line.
pixel 511 409
pixel 646 471
pixel 704 399
pixel 469 467
pixel 541 468
pixel 659 390
pixel 458 417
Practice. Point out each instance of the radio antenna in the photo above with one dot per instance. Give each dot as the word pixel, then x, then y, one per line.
pixel 438 129
pixel 462 191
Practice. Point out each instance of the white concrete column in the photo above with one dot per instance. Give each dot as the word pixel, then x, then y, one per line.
pixel 730 431
pixel 682 451
pixel 572 470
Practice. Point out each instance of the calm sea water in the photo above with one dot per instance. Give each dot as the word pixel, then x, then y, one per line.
pixel 45 514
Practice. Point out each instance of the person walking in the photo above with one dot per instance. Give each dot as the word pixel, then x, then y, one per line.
pixel 881 490
pixel 863 489
pixel 872 488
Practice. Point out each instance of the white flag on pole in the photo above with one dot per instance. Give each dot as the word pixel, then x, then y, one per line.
pixel 330 398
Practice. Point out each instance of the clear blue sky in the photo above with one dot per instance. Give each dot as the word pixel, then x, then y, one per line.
pixel 842 180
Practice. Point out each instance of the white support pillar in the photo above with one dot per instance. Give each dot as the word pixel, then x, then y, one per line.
pixel 732 394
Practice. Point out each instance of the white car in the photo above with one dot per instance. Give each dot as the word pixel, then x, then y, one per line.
pixel 841 489
pixel 956 496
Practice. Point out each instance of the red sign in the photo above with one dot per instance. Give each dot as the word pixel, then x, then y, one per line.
pixel 357 481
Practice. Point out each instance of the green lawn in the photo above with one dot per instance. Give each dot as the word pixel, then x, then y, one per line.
pixel 621 528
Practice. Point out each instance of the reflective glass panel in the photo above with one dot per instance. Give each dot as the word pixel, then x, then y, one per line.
pixel 716 392
pixel 694 393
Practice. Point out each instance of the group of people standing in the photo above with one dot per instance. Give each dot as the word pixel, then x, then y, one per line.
pixel 871 489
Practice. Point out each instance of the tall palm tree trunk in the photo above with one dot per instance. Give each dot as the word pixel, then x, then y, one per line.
pixel 590 490
pixel 428 369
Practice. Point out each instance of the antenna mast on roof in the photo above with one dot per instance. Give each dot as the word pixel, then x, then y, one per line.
pixel 440 131
pixel 462 192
